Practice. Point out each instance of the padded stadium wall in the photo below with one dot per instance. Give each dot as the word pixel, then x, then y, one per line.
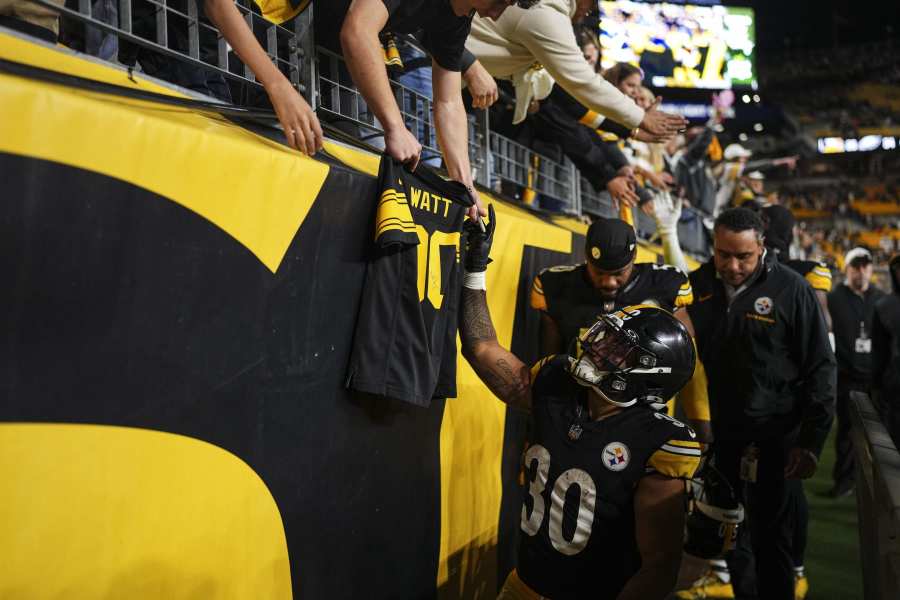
pixel 180 299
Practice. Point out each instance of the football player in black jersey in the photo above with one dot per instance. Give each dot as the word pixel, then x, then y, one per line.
pixel 572 297
pixel 603 516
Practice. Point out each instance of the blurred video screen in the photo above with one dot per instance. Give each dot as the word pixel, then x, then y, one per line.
pixel 681 45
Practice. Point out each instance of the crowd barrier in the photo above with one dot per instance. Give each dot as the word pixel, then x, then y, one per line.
pixel 286 31
pixel 878 500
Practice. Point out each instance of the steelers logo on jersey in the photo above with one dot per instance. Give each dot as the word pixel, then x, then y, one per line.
pixel 616 456
pixel 763 305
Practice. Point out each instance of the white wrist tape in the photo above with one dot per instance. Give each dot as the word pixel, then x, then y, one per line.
pixel 475 281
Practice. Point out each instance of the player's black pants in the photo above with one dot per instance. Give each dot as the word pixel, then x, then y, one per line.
pixel 762 566
pixel 844 464
pixel 801 521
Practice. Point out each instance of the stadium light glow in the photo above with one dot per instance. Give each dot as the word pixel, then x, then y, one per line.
pixel 868 143
pixel 757 127
pixel 746 99
pixel 743 137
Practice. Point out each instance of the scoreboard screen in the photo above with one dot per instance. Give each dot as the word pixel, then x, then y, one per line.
pixel 681 45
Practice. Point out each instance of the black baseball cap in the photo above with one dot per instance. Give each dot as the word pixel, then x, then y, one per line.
pixel 611 244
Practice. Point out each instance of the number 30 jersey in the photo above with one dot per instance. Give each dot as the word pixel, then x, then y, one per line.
pixel 578 534
pixel 404 345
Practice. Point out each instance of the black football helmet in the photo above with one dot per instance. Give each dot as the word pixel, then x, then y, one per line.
pixel 641 353
pixel 714 515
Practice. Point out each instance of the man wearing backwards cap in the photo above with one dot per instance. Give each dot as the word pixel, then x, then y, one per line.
pixel 571 297
pixel 852 306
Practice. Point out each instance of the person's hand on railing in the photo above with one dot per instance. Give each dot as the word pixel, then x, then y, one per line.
pixel 481 85
pixel 659 123
pixel 300 123
pixel 402 146
pixel 622 191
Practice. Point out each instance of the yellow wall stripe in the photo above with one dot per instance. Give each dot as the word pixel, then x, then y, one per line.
pixel 256 190
pixel 91 511
pixel 473 423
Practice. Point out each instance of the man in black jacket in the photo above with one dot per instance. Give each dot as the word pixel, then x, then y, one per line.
pixel 886 354
pixel 771 372
pixel 852 306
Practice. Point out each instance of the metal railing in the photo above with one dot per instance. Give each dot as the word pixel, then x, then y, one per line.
pixel 877 500
pixel 177 30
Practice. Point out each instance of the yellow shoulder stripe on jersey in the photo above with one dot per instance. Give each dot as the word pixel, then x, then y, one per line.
pixel 622 314
pixel 674 464
pixel 393 214
pixel 536 368
pixel 819 280
pixel 685 295
pixel 689 444
pixel 606 136
pixel 591 118
pixel 538 300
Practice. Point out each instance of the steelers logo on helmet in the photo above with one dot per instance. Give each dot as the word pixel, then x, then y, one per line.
pixel 616 456
pixel 641 353
pixel 595 252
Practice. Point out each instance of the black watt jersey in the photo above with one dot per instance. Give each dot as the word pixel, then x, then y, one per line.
pixel 566 294
pixel 578 538
pixel 404 346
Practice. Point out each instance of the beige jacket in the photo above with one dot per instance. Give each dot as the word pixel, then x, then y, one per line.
pixel 32 13
pixel 511 45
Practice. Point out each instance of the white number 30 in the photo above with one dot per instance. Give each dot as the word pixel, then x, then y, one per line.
pixel 587 499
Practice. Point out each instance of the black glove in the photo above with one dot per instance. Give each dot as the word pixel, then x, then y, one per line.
pixel 478 243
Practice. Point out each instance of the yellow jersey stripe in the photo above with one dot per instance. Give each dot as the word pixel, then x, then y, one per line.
pixel 819 282
pixel 684 443
pixel 536 368
pixel 684 299
pixel 591 118
pixel 538 300
pixel 679 450
pixel 673 465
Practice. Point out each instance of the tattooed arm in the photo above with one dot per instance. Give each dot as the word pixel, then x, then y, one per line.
pixel 501 370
